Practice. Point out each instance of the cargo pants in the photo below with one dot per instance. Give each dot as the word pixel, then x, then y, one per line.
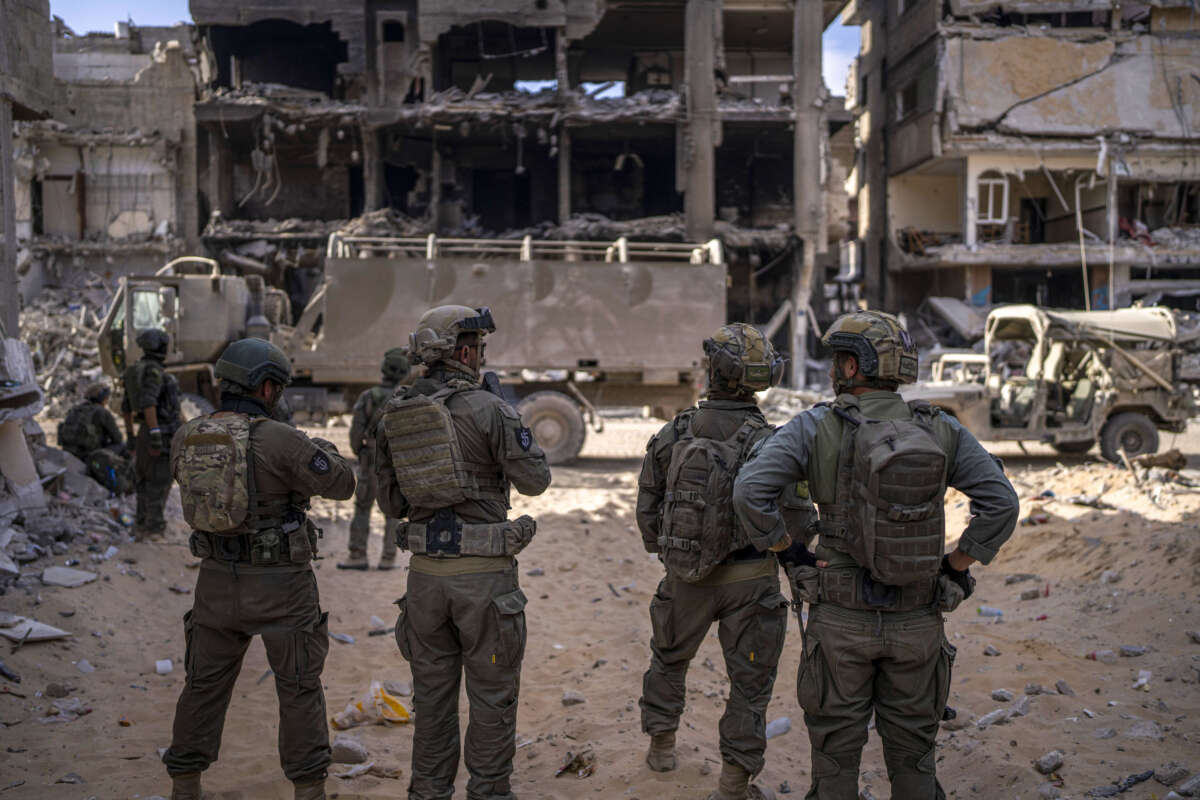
pixel 449 625
pixel 230 607
pixel 751 616
pixel 364 498
pixel 896 665
pixel 152 483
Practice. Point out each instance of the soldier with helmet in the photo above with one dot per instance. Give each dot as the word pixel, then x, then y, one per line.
pixel 877 468
pixel 245 482
pixel 448 452
pixel 90 433
pixel 362 440
pixel 152 399
pixel 714 572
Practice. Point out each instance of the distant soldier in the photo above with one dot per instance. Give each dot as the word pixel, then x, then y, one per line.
pixel 151 398
pixel 89 432
pixel 877 468
pixel 245 481
pixel 447 453
pixel 362 442
pixel 715 573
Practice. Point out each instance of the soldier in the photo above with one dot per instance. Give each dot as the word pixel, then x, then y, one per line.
pixel 714 573
pixel 245 481
pixel 448 452
pixel 362 441
pixel 877 468
pixel 89 432
pixel 152 398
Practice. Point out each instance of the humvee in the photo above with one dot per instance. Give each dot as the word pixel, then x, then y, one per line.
pixel 1072 379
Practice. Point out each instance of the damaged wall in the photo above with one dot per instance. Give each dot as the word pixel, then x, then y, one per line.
pixel 26 74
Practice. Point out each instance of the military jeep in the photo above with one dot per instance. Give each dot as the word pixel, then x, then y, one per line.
pixel 1071 379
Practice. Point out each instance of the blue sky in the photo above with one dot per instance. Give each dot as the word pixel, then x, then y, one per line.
pixel 840 46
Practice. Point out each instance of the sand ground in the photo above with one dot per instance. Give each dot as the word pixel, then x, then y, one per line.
pixel 588 631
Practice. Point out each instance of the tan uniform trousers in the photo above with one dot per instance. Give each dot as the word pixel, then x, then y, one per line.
pixel 282 606
pixel 448 625
pixel 894 664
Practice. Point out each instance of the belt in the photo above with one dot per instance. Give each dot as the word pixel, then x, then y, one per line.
pixel 855 589
pixel 446 536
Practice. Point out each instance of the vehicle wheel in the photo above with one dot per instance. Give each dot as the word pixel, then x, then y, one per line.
pixel 1132 432
pixel 1073 448
pixel 193 405
pixel 556 423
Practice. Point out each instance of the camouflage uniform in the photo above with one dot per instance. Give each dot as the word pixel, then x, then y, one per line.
pixel 148 384
pixel 365 409
pixel 871 648
pixel 466 613
pixel 90 433
pixel 258 579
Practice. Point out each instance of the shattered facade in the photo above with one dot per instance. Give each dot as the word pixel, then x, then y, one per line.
pixel 1038 152
pixel 108 183
pixel 504 118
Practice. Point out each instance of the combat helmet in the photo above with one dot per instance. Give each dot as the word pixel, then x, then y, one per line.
pixel 886 353
pixel 153 341
pixel 438 330
pixel 395 364
pixel 97 392
pixel 741 360
pixel 248 362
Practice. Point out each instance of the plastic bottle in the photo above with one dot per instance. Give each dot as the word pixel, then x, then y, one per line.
pixel 989 611
pixel 1103 656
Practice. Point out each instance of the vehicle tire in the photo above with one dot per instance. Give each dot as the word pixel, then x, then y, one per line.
pixel 1073 448
pixel 557 425
pixel 193 405
pixel 1129 431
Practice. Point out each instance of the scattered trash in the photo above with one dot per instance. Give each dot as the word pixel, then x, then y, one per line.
pixel 989 611
pixel 398 688
pixel 124 721
pixel 66 709
pixel 536 572
pixel 163 666
pixel 344 638
pixel 571 697
pixel 583 764
pixel 71 777
pixel 1103 656
pixel 376 624
pixel 179 589
pixel 990 651
pixel 376 707
pixel 1194 636
pixel 1143 680
pixel 778 727
pixel 56 690
pixel 1132 651
pixel 84 666
pixel 8 673
pixel 1064 688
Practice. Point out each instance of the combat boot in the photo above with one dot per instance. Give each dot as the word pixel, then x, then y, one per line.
pixel 186 786
pixel 734 784
pixel 358 562
pixel 661 755
pixel 311 790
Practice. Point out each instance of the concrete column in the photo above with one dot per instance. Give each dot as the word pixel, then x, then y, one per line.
pixel 564 174
pixel 971 201
pixel 561 75
pixel 809 200
pixel 372 169
pixel 220 172
pixel 1113 219
pixel 435 188
pixel 9 310
pixel 699 203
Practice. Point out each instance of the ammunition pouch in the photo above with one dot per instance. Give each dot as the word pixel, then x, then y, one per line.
pixel 854 588
pixel 292 542
pixel 446 536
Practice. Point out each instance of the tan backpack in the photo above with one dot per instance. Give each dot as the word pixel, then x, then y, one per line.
pixel 698 528
pixel 889 514
pixel 213 470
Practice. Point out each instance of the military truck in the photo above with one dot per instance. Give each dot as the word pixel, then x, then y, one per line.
pixel 1071 379
pixel 580 325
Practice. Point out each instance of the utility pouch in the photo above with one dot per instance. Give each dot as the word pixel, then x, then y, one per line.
pixel 949 594
pixel 265 549
pixel 199 545
pixel 876 595
pixel 805 582
pixel 299 545
pixel 518 534
pixel 443 534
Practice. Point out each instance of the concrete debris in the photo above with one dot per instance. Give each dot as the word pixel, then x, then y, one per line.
pixel 1064 688
pixel 1171 773
pixel 1050 762
pixel 1190 787
pixel 779 404
pixel 23 629
pixel 67 577
pixel 778 727
pixel 1146 729
pixel 348 750
pixel 60 327
pixel 573 698
pixel 1002 695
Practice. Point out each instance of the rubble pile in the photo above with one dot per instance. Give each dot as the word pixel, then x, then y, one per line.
pixel 779 404
pixel 1178 237
pixel 60 326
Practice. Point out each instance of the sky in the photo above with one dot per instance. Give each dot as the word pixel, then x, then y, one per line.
pixel 840 44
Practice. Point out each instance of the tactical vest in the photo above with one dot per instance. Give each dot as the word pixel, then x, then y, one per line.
pixel 167 402
pixel 79 434
pixel 426 457
pixel 698 529
pixel 888 511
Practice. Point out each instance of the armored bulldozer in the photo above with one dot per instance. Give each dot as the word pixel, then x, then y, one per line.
pixel 1072 379
pixel 580 325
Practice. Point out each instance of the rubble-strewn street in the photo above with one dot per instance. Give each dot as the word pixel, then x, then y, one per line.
pixel 1121 579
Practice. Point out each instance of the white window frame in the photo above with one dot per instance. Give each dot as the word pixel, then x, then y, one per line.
pixel 988 213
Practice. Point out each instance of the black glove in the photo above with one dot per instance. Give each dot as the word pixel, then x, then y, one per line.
pixel 961 577
pixel 797 555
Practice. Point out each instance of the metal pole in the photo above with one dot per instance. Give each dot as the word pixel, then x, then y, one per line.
pixel 699 46
pixel 807 27
pixel 8 259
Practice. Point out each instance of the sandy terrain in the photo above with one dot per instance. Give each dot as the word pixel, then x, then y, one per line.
pixel 588 631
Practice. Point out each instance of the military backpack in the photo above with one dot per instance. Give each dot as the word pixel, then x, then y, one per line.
pixel 889 513
pixel 698 528
pixel 214 474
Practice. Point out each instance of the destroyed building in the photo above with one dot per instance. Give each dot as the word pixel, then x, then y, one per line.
pixel 107 184
pixel 569 119
pixel 1026 151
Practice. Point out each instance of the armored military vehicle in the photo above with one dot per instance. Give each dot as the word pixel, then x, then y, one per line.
pixel 580 325
pixel 1072 379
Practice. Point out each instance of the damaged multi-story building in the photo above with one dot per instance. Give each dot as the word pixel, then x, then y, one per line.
pixel 1026 151
pixel 569 119
pixel 107 183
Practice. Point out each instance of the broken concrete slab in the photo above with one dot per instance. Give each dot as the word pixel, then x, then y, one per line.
pixel 67 577
pixel 24 629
